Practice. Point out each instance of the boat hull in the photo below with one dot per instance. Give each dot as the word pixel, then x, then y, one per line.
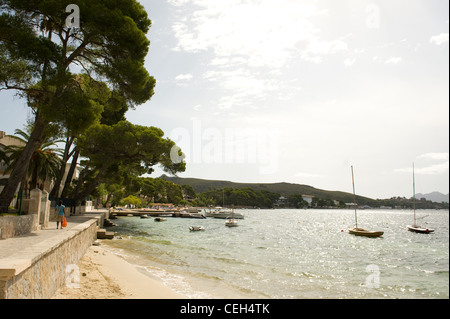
pixel 225 215
pixel 231 223
pixel 365 233
pixel 418 229
pixel 196 228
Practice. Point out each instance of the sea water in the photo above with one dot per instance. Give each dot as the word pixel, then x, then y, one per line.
pixel 287 253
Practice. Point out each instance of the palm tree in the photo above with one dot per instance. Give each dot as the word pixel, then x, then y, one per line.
pixel 45 162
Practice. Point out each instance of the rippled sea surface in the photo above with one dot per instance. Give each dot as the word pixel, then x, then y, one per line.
pixel 293 254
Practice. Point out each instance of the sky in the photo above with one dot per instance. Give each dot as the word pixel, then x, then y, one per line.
pixel 298 91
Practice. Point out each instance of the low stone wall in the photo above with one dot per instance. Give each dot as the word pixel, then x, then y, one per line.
pixel 38 272
pixel 11 226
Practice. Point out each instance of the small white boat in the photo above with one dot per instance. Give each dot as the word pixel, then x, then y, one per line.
pixel 144 216
pixel 196 228
pixel 231 222
pixel 159 219
pixel 414 227
pixel 419 229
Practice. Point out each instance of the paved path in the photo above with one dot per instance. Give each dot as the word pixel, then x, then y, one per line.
pixel 16 245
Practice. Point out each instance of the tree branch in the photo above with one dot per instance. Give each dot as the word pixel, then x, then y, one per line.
pixel 76 52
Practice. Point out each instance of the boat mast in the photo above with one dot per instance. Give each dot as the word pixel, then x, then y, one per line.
pixel 414 196
pixel 354 199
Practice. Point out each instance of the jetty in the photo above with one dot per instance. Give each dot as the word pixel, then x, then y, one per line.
pixel 155 213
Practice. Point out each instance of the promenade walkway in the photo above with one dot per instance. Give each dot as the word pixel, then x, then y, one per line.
pixel 54 247
pixel 17 246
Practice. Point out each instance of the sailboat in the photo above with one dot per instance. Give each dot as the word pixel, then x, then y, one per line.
pixel 231 221
pixel 361 231
pixel 414 227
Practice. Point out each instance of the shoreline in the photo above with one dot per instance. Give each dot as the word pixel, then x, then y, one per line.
pixel 105 275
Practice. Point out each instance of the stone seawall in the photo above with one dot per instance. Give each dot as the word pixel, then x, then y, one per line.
pixel 38 270
pixel 11 226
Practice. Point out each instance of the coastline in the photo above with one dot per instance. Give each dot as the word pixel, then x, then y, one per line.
pixel 104 275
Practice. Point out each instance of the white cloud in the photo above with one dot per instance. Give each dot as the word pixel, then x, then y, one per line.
pixel 439 39
pixel 184 77
pixel 243 86
pixel 178 2
pixel 436 169
pixel 435 156
pixel 394 60
pixel 242 80
pixel 251 42
pixel 427 167
pixel 349 62
pixel 262 32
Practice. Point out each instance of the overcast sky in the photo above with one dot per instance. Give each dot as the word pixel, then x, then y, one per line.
pixel 298 91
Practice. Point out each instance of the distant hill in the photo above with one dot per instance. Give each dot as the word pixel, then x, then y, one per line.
pixel 284 189
pixel 434 197
pixel 434 200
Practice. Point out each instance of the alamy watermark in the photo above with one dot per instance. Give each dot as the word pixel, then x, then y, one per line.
pixel 73 19
pixel 72 276
pixel 373 16
pixel 373 280
pixel 258 146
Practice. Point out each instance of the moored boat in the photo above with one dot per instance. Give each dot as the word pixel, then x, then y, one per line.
pixel 364 232
pixel 196 228
pixel 419 229
pixel 220 212
pixel 231 222
pixel 361 231
pixel 415 228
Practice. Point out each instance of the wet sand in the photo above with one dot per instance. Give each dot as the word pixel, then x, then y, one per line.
pixel 104 275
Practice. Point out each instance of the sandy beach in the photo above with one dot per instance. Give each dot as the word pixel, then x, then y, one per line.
pixel 104 275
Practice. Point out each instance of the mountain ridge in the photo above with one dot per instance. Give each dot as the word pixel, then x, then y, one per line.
pixel 437 197
pixel 285 189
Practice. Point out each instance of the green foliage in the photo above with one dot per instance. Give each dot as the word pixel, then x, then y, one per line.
pixel 157 190
pixel 45 161
pixel 188 191
pixel 285 189
pixel 240 197
pixel 127 144
pixel 296 201
pixel 131 200
pixel 122 152
pixel 408 203
pixel 39 53
pixel 110 44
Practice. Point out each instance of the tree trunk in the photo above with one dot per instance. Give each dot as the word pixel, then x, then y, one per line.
pixel 108 198
pixel 21 167
pixel 55 190
pixel 34 176
pixel 71 172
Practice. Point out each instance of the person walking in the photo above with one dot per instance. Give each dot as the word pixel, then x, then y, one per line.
pixel 59 214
